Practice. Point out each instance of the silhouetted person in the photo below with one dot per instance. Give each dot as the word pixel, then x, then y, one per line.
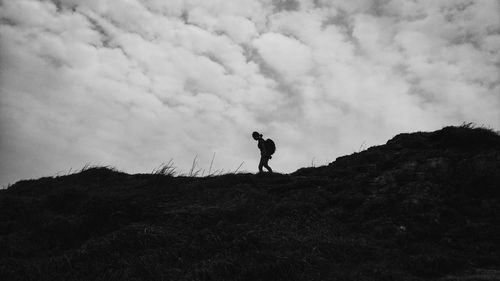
pixel 264 154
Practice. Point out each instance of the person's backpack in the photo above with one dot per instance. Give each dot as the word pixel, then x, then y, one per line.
pixel 270 146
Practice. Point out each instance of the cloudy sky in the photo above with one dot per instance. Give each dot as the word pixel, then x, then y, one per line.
pixel 134 83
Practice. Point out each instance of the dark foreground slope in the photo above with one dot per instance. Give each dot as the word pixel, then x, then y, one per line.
pixel 423 206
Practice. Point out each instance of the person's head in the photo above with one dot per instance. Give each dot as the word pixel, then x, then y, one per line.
pixel 256 135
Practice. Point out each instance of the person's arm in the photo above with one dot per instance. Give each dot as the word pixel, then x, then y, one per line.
pixel 263 145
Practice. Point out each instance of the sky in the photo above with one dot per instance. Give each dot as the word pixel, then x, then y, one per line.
pixel 135 83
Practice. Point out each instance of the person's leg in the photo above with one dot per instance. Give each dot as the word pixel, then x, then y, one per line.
pixel 261 163
pixel 266 165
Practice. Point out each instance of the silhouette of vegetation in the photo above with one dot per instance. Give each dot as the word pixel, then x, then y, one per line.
pixel 424 206
pixel 193 172
pixel 166 169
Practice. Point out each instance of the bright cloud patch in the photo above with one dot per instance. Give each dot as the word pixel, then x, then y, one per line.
pixel 288 56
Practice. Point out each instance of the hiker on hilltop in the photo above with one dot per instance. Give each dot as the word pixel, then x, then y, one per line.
pixel 267 148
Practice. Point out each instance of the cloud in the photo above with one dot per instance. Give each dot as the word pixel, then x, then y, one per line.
pixel 288 56
pixel 135 83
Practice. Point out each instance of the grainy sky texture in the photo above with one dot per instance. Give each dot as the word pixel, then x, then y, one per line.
pixel 133 83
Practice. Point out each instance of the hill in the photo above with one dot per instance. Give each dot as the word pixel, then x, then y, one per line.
pixel 424 206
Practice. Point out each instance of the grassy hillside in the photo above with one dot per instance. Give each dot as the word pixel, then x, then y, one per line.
pixel 424 206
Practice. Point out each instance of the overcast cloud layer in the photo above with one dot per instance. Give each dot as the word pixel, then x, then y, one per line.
pixel 134 83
